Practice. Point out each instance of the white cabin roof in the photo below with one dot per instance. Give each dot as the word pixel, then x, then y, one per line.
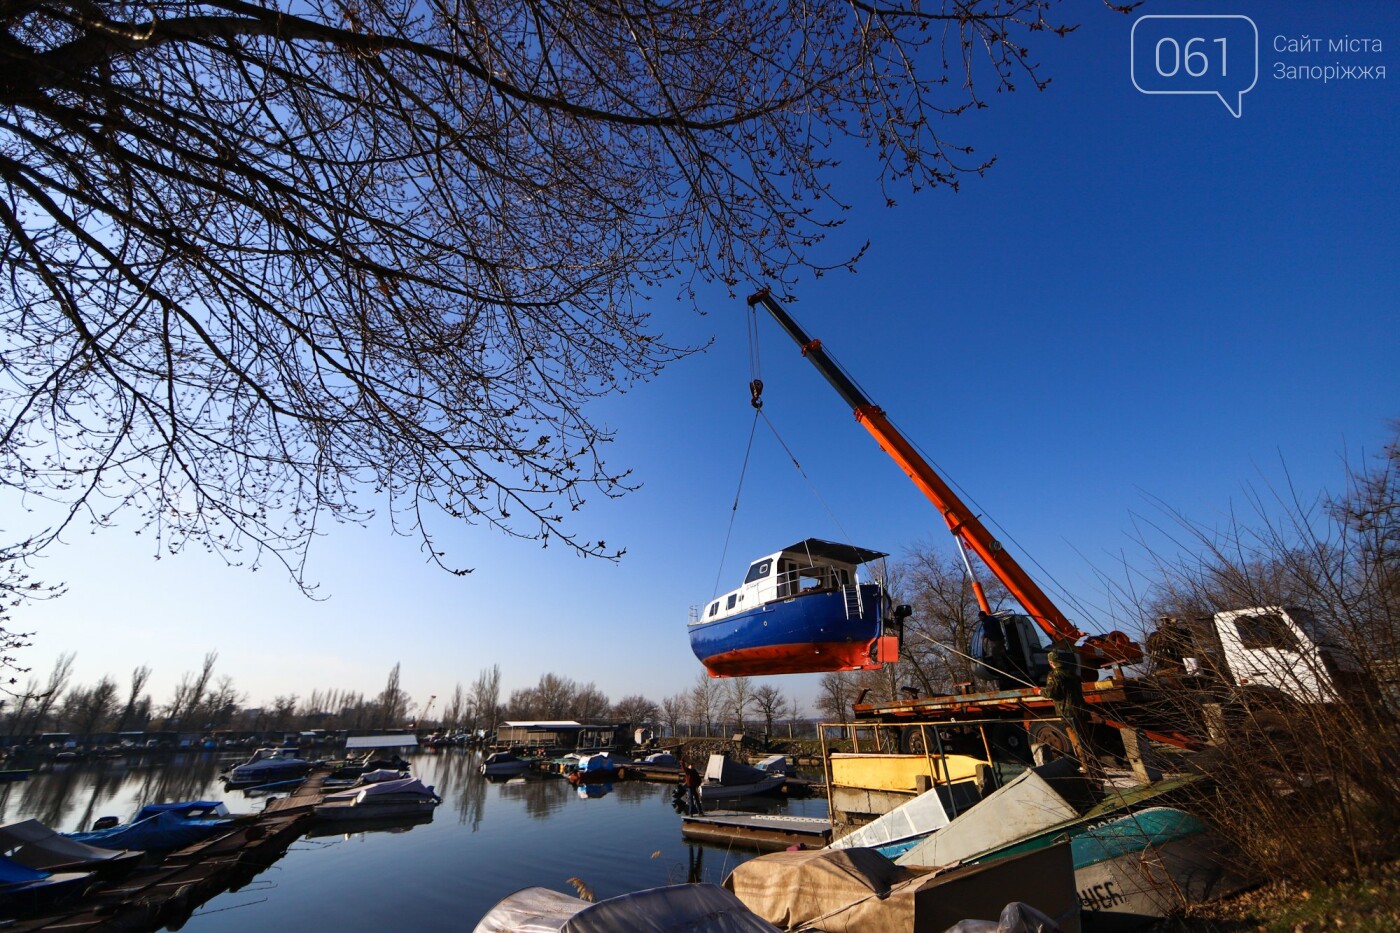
pixel 381 741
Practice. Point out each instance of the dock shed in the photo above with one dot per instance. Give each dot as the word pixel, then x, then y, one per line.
pixel 565 734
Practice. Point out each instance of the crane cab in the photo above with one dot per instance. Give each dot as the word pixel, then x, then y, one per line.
pixel 1009 651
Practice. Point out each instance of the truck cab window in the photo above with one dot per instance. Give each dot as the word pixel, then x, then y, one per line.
pixel 1266 631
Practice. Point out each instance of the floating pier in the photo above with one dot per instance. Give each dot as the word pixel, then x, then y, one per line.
pixel 758 831
pixel 168 893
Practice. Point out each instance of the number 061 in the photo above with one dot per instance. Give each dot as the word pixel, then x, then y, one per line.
pixel 1196 62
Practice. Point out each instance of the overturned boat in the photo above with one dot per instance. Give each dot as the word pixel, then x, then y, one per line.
pixel 802 610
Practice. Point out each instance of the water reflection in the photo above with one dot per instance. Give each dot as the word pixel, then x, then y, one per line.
pixel 409 876
pixel 541 795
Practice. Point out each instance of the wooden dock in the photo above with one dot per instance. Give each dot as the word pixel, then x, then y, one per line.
pixel 167 894
pixel 759 831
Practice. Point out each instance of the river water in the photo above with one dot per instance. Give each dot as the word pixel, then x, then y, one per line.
pixel 486 840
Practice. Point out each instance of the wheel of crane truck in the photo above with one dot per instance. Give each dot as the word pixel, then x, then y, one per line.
pixel 917 740
pixel 1053 738
pixel 887 740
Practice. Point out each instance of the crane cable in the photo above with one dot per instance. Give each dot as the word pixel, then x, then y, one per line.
pixel 756 399
pixel 734 510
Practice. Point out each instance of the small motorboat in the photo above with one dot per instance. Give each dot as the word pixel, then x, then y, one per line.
pixel 269 764
pixel 380 800
pixel 677 907
pixel 504 764
pixel 726 779
pixel 405 797
pixel 163 827
pixel 24 889
pixel 802 610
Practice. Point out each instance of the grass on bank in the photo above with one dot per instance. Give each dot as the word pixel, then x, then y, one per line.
pixel 1371 905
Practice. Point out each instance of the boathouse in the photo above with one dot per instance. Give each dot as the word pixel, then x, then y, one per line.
pixel 564 735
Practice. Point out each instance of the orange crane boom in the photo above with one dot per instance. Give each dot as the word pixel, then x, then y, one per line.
pixel 967 528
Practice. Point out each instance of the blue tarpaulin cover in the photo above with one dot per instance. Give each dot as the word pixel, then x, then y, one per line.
pixel 163 832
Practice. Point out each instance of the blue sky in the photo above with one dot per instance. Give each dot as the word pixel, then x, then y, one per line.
pixel 1146 300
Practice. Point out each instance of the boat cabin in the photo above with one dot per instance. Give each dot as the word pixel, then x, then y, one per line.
pixel 810 566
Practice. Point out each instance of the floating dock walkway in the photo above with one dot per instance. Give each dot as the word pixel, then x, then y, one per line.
pixel 167 894
pixel 759 831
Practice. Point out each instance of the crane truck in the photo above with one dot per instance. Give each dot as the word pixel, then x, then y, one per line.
pixel 1274 654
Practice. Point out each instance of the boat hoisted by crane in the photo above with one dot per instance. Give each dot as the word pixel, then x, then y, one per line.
pixel 802 610
pixel 1007 645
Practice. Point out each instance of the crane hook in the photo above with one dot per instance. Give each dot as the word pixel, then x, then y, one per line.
pixel 756 393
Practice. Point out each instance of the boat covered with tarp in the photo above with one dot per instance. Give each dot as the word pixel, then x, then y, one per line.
pixel 25 889
pixel 163 830
pixel 35 845
pixel 726 778
pixel 671 909
pixel 801 610
pixel 404 797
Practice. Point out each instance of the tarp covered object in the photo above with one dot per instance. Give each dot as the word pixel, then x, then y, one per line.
pixel 679 907
pixel 1015 918
pixel 727 771
pixel 163 832
pixel 791 888
pixel 861 891
pixel 202 809
pixel 34 844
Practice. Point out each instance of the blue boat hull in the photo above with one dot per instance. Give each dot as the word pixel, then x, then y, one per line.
pixel 801 635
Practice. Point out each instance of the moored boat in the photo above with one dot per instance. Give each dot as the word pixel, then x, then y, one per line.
pixel 163 827
pixel 801 610
pixel 405 797
pixel 269 764
pixel 726 779
pixel 504 764
pixel 34 845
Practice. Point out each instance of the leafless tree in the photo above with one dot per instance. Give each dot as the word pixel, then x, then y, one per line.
pixel 838 692
pixel 771 704
pixel 1301 787
pixel 589 704
pixel 486 696
pixel 139 675
pixel 86 709
pixel 392 702
pixel 702 701
pixel 673 712
pixel 635 709
pixel 39 700
pixel 189 693
pixel 738 696
pixel 455 711
pixel 938 636
pixel 263 258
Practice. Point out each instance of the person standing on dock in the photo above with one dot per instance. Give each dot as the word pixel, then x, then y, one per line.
pixel 690 779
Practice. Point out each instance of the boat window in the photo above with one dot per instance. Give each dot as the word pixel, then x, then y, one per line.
pixel 759 570
pixel 714 607
pixel 732 600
